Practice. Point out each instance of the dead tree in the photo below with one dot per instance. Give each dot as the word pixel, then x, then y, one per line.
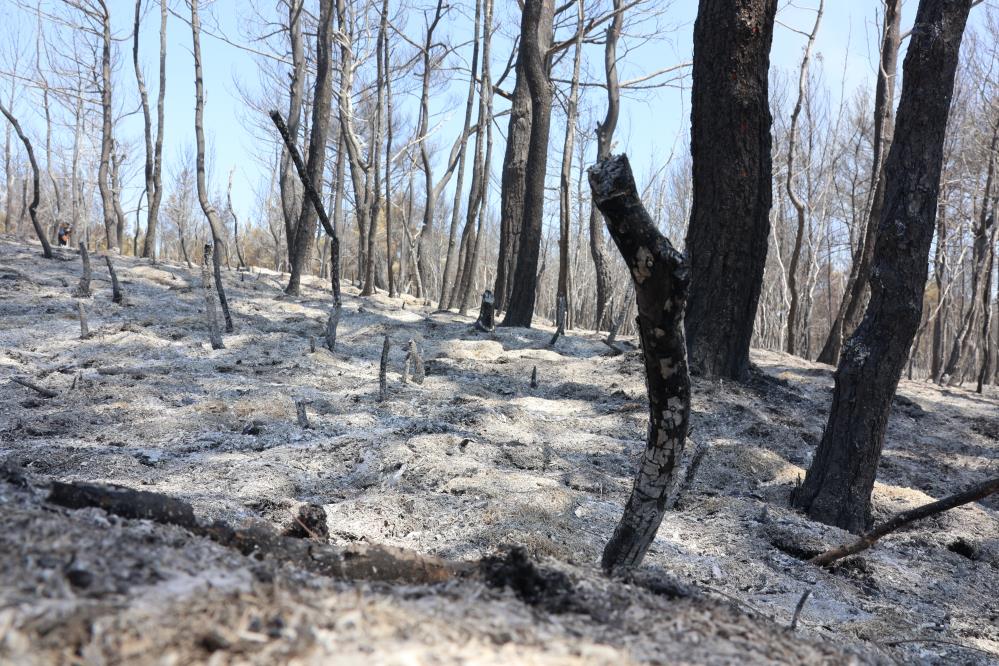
pixel 562 290
pixel 792 194
pixel 415 361
pixel 383 371
pixel 303 418
pixel 837 488
pixel 210 312
pixel 661 276
pixel 535 41
pixel 301 235
pixel 981 271
pixel 103 14
pixel 35 195
pixel 732 181
pixel 83 289
pixel 199 134
pixel 154 150
pixel 450 260
pixel 116 294
pixel 84 329
pixel 851 307
pixel 235 225
pixel 310 191
pixel 605 136
pixel 487 313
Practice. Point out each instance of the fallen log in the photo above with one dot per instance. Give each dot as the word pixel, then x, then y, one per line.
pixel 356 562
pixel 972 494
pixel 48 393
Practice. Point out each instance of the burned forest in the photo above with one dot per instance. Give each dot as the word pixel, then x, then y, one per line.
pixel 425 332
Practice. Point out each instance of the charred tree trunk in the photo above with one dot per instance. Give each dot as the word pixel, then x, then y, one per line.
pixel 605 136
pixel 155 195
pixel 661 276
pixel 562 290
pixel 799 205
pixel 199 132
pixel 83 289
pixel 291 204
pixel 535 40
pixel 107 135
pixel 154 151
pixel 512 185
pixel 214 334
pixel 35 183
pixel 837 488
pixel 425 249
pixel 324 220
pixel 851 308
pixel 448 277
pixel 981 270
pixel 300 242
pixel 732 193
pixel 116 295
pixel 389 252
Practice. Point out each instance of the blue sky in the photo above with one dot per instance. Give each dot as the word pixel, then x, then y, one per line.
pixel 653 125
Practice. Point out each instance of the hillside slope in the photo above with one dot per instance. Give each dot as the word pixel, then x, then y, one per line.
pixel 471 461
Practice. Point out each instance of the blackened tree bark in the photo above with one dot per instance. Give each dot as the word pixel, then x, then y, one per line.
pixel 300 243
pixel 605 136
pixel 512 185
pixel 35 183
pixel 661 276
pixel 837 488
pixel 535 40
pixel 851 308
pixel 732 194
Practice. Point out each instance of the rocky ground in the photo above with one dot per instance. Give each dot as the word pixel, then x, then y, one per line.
pixel 470 462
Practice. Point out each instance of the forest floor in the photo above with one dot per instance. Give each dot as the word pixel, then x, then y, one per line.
pixel 472 461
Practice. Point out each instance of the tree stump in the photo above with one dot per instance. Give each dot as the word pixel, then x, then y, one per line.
pixel 84 328
pixel 661 276
pixel 303 418
pixel 487 313
pixel 414 360
pixel 116 294
pixel 383 371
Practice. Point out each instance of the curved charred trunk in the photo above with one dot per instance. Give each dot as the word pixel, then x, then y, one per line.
pixel 661 276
